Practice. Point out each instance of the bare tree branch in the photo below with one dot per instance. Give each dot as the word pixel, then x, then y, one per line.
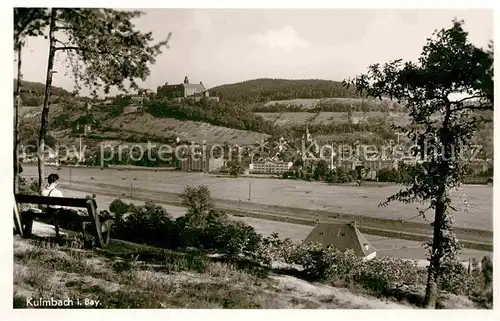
pixel 458 102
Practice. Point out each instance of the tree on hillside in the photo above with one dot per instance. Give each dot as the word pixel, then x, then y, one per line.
pixel 235 168
pixel 197 199
pixel 28 22
pixel 321 170
pixel 103 49
pixel 448 64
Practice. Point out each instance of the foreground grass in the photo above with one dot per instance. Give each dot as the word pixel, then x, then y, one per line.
pixel 132 276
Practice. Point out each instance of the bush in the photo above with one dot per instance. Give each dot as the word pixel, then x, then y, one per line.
pixel 339 176
pixel 453 277
pixel 197 199
pixel 273 249
pixel 325 263
pixel 119 207
pixel 391 275
pixel 149 224
pixel 29 187
pixel 215 231
pixel 201 227
pixel 31 100
pixel 479 283
pixel 382 276
pixel 487 271
pixel 388 175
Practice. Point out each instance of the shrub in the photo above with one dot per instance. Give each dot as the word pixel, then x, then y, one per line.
pixel 29 187
pixel 388 175
pixel 197 199
pixel 487 271
pixel 273 249
pixel 382 276
pixel 480 282
pixel 239 238
pixel 152 223
pixel 215 231
pixel 325 263
pixel 148 224
pixel 206 228
pixel 453 278
pixel 339 176
pixel 387 275
pixel 60 121
pixel 200 228
pixel 119 207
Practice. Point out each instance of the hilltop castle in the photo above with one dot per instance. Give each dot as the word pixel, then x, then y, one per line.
pixel 183 90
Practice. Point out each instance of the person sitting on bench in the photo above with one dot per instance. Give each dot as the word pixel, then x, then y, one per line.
pixel 51 190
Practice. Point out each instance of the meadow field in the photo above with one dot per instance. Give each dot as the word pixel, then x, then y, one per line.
pixel 356 200
pixel 330 118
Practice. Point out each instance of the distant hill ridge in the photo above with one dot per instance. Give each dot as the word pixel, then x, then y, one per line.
pixel 38 89
pixel 267 89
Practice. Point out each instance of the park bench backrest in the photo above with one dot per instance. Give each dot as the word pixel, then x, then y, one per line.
pixel 48 200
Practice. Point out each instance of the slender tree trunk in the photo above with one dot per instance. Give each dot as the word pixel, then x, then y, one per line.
pixel 431 291
pixel 16 116
pixel 46 102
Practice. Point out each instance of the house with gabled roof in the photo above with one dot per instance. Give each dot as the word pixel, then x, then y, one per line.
pixel 343 237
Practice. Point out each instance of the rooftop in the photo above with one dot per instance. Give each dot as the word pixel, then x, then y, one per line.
pixel 194 86
pixel 342 236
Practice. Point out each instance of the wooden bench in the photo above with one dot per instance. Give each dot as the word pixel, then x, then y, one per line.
pixel 101 227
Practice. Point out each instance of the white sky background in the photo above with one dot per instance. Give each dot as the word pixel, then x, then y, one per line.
pixel 220 46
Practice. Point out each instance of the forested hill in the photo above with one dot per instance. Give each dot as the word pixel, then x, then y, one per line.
pixel 265 89
pixel 32 93
pixel 39 88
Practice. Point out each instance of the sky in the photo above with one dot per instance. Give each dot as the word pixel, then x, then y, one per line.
pixel 222 46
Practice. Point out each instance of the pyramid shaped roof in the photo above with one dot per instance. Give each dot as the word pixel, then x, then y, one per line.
pixel 342 236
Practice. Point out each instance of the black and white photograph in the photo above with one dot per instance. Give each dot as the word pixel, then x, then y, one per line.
pixel 250 158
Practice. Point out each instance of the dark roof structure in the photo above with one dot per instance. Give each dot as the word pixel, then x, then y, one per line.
pixel 341 236
pixel 194 86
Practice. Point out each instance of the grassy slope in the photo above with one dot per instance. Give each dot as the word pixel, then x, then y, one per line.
pixel 327 118
pixel 38 89
pixel 185 130
pixel 129 276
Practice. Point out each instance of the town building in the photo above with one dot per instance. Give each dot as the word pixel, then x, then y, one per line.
pixel 194 161
pixel 141 96
pixel 209 165
pixel 52 161
pixel 378 164
pixel 343 237
pixel 270 167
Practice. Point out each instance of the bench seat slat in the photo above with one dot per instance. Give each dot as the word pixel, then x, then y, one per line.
pixel 49 200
